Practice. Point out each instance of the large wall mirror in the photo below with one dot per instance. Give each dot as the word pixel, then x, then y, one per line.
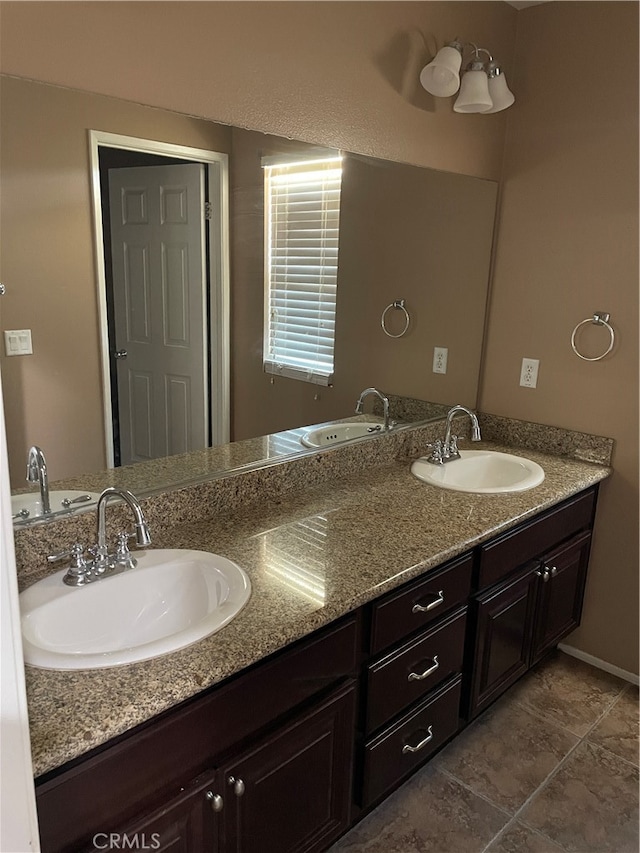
pixel 406 233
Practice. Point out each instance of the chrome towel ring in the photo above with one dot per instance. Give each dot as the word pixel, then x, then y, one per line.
pixel 399 304
pixel 600 318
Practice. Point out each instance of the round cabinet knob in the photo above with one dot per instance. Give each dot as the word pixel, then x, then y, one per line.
pixel 216 801
pixel 237 785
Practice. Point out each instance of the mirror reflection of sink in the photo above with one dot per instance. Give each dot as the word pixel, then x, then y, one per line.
pixel 62 501
pixel 173 598
pixel 481 472
pixel 330 434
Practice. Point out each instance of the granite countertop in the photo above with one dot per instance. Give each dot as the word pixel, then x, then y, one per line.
pixel 312 557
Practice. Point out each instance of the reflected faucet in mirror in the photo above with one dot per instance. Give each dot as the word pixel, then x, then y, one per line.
pixel 37 473
pixel 384 400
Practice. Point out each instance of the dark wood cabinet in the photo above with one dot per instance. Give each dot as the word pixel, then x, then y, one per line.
pixel 158 778
pixel 520 619
pixel 560 594
pixel 296 781
pixel 183 825
pixel 292 791
pixel 285 756
pixel 504 628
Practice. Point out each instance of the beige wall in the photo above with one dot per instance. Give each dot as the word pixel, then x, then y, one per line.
pixel 568 246
pixel 47 263
pixel 344 74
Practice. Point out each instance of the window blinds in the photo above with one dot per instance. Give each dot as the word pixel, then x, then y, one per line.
pixel 302 207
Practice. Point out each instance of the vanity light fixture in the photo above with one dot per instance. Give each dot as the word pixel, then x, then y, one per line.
pixel 483 87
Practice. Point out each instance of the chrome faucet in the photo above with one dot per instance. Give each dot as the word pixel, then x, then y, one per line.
pixel 381 397
pixel 103 561
pixel 81 570
pixel 37 473
pixel 447 450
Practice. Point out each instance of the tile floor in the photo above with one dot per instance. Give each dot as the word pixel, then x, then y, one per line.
pixel 551 767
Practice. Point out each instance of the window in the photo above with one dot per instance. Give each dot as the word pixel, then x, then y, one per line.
pixel 302 213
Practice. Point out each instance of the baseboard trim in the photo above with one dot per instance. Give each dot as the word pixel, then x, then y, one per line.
pixel 599 664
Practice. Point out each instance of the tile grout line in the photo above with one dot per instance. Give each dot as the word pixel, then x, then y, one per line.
pixel 468 787
pixel 560 766
pixel 513 822
pixel 581 738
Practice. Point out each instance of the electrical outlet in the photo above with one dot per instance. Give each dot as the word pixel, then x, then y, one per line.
pixel 440 355
pixel 529 372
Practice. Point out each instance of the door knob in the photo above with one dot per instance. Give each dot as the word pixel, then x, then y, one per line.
pixel 121 353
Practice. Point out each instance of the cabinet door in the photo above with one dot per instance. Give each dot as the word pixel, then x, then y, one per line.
pixel 185 824
pixel 504 629
pixel 561 593
pixel 292 792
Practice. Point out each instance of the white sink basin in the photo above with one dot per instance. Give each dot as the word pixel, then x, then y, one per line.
pixel 31 503
pixel 170 600
pixel 330 434
pixel 481 471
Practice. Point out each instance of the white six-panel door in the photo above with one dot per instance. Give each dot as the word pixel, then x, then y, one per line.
pixel 159 281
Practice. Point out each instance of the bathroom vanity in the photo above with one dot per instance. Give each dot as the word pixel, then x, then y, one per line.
pixel 282 730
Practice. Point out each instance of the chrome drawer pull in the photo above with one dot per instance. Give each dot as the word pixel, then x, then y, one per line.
pixel 415 676
pixel 407 748
pixel 419 608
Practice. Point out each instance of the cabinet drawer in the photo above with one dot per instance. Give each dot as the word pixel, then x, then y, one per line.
pixel 400 748
pixel 512 550
pixel 420 603
pixel 406 674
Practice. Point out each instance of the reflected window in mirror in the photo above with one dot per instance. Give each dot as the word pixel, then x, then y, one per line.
pixel 302 212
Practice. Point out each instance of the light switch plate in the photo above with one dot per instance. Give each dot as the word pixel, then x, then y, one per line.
pixel 18 342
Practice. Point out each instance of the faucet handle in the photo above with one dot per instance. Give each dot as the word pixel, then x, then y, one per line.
pixel 102 560
pixel 76 552
pixel 436 457
pixel 454 453
pixel 79 570
pixel 124 557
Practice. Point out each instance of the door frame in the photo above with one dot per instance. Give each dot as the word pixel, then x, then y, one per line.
pixel 218 263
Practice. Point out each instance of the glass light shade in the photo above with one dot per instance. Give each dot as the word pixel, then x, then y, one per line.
pixel 474 94
pixel 500 93
pixel 441 77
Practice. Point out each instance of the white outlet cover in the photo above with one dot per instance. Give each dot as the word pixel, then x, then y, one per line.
pixel 529 372
pixel 440 356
